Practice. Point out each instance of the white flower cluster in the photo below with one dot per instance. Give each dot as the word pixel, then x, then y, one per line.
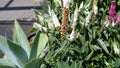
pixel 73 35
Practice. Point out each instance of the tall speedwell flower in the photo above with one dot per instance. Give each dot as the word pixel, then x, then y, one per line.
pixel 65 17
pixel 113 18
pixel 112 12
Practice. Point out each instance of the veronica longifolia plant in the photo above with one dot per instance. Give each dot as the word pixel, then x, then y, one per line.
pixel 70 33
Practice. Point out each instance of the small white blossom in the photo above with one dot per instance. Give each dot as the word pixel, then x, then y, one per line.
pixel 55 19
pixel 116 50
pixel 81 6
pixel 73 36
pixel 66 3
pixel 75 18
pixel 39 27
pixel 113 24
pixel 86 11
pixel 88 18
pixel 107 24
pixel 95 9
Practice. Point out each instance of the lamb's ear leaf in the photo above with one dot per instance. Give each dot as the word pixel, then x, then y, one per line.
pixel 14 52
pixel 20 38
pixel 6 64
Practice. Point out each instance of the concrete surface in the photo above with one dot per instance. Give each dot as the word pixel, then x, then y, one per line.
pixel 16 9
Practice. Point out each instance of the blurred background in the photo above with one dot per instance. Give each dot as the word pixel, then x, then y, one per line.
pixel 16 9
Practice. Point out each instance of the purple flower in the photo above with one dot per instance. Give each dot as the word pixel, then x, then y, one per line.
pixel 112 11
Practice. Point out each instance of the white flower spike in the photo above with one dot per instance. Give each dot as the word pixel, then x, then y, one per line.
pixel 75 18
pixel 88 18
pixel 55 19
pixel 81 6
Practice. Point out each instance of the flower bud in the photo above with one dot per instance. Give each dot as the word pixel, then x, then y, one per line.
pixel 39 27
pixel 95 9
pixel 73 36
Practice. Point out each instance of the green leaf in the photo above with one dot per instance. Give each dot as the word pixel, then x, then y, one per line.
pixel 33 52
pixel 117 64
pixel 97 57
pixel 6 64
pixel 103 45
pixel 62 64
pixel 14 52
pixel 35 63
pixel 64 43
pixel 21 38
pixel 43 39
pixel 90 55
pixel 74 65
pixel 82 40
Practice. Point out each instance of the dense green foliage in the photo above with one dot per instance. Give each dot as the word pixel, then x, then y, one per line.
pixel 96 45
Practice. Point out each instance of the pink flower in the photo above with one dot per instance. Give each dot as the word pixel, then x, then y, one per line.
pixel 112 12
pixel 107 19
pixel 115 24
pixel 118 19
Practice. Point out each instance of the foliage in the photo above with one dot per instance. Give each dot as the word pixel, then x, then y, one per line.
pixel 95 46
